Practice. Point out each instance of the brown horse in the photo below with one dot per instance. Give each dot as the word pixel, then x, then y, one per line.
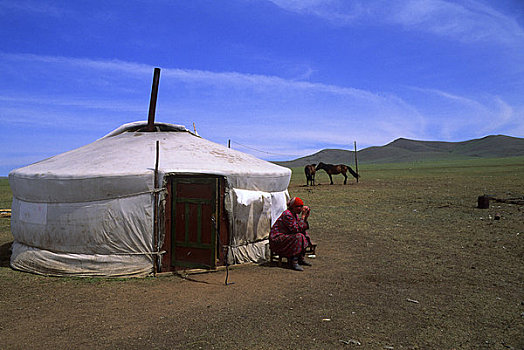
pixel 310 174
pixel 331 169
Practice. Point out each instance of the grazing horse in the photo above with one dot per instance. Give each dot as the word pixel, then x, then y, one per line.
pixel 331 169
pixel 310 174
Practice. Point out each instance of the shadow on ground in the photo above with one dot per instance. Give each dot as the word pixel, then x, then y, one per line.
pixel 5 254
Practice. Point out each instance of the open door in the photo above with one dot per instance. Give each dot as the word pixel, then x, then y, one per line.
pixel 193 222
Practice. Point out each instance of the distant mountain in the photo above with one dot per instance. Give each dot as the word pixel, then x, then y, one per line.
pixel 405 150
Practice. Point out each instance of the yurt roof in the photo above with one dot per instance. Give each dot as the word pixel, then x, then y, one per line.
pixel 127 152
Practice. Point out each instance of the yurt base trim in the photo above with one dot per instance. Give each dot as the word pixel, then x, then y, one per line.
pixel 44 262
pixel 256 252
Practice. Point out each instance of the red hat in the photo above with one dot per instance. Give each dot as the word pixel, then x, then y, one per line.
pixel 295 202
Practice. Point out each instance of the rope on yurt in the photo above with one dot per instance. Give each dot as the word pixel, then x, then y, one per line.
pixel 155 212
pixel 217 229
pixel 134 194
pixel 227 267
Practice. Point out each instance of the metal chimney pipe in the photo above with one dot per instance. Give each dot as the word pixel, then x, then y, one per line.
pixel 152 101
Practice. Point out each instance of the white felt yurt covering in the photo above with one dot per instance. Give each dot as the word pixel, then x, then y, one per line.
pixel 89 211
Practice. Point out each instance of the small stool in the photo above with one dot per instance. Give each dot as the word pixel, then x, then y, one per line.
pixel 275 258
pixel 310 250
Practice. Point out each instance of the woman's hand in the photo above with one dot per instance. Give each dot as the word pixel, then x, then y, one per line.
pixel 305 212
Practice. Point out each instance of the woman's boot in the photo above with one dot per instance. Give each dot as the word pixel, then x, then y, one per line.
pixel 295 266
pixel 301 261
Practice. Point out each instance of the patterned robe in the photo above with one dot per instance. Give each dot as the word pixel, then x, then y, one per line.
pixel 288 236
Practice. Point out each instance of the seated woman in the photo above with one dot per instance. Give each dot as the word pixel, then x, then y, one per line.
pixel 288 236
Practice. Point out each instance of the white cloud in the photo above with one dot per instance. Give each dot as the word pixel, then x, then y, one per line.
pixel 84 104
pixel 447 95
pixel 268 113
pixel 451 115
pixel 216 87
pixel 337 11
pixel 102 65
pixel 37 7
pixel 466 20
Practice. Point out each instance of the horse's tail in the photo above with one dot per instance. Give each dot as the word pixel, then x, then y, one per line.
pixel 355 175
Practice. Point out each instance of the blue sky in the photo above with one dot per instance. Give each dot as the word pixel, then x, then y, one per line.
pixel 279 78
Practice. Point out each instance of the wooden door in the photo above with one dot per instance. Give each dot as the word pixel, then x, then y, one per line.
pixel 194 215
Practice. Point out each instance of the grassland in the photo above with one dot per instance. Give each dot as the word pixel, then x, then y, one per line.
pixel 405 261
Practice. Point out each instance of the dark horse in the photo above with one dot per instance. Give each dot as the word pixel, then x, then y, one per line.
pixel 337 169
pixel 310 174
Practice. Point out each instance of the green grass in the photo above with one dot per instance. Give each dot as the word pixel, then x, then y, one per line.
pixel 6 198
pixel 5 194
pixel 461 168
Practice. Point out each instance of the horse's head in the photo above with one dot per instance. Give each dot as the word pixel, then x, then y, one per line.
pixel 320 166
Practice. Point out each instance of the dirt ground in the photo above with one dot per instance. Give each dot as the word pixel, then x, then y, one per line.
pixel 405 261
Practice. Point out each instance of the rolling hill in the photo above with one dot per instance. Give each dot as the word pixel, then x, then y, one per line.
pixel 405 150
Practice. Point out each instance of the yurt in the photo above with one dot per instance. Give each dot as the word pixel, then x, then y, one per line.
pixel 136 202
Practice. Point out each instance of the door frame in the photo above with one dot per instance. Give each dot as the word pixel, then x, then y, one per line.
pixel 220 236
